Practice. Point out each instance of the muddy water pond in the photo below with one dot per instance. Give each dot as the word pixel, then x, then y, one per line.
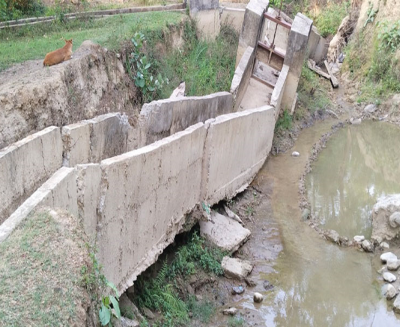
pixel 315 282
pixel 360 164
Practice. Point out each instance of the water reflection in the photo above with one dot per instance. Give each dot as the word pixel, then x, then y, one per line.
pixel 318 283
pixel 360 164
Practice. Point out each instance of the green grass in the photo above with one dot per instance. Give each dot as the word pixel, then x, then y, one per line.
pixel 313 91
pixel 237 321
pixel 205 66
pixel 330 17
pixel 40 265
pixel 35 41
pixel 373 58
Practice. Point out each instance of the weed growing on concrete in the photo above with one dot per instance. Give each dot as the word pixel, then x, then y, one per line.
pixel 96 283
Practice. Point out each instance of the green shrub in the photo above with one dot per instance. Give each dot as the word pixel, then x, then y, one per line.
pixel 15 9
pixel 389 35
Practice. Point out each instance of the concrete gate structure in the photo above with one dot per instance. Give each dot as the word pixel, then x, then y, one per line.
pixel 191 151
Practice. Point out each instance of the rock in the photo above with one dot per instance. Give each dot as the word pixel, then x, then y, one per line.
pixel 371 108
pixel 333 236
pixel 225 233
pixel 393 264
pixel 179 92
pixel 305 214
pixel 389 291
pixel 199 298
pixel 367 246
pixel 125 322
pixel 147 313
pixel 341 57
pixel 237 290
pixel 384 246
pixel 376 239
pixel 358 238
pixel 233 215
pixel 385 218
pixel 230 311
pixel 236 268
pixel 267 285
pixel 356 121
pixel 394 219
pixel 396 305
pixel 258 297
pixel 389 277
pixel 295 154
pixel 388 256
pixel 128 308
pixel 250 282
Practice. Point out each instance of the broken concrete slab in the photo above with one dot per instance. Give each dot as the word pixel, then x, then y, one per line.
pixel 223 232
pixel 236 268
pixel 76 144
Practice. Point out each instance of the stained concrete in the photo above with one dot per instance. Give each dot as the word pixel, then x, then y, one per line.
pixel 252 24
pixel 108 137
pixel 242 74
pixel 25 165
pixel 162 118
pixel 57 191
pixel 295 55
pixel 76 143
pixel 279 89
pixel 257 95
pixel 145 195
pixel 237 145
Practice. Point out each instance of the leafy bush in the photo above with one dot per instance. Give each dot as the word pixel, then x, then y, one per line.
pixel 144 78
pixel 15 9
pixel 389 35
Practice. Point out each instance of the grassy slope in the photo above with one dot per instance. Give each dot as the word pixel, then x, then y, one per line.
pixel 34 42
pixel 40 264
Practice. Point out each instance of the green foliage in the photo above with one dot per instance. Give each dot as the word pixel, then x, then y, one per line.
pixel 159 294
pixel 162 294
pixel 283 123
pixel 140 70
pixel 196 254
pixel 371 13
pixel 312 92
pixel 15 9
pixel 389 35
pixel 328 21
pixel 96 283
pixel 109 306
pixel 205 66
pixel 3 10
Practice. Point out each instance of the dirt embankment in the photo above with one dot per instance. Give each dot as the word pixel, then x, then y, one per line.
pixel 33 97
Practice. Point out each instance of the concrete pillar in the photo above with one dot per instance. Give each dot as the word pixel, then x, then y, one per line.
pixel 206 13
pixel 252 25
pixel 295 55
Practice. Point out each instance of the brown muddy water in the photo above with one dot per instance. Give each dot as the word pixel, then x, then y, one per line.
pixel 316 283
pixel 360 164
